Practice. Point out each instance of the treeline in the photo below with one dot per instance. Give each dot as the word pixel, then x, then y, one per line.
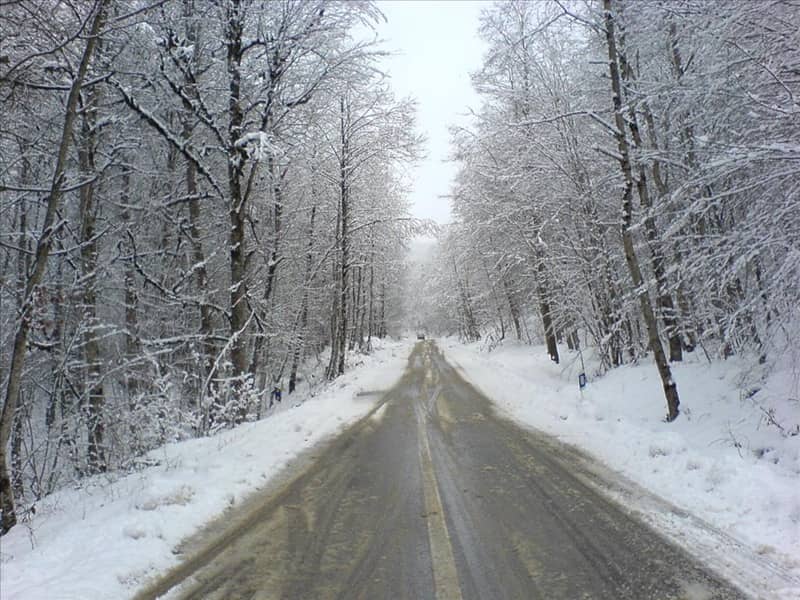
pixel 633 180
pixel 194 197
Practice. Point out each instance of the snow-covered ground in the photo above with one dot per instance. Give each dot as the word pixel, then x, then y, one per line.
pixel 731 480
pixel 107 538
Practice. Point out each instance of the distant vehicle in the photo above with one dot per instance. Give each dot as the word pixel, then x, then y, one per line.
pixel 420 336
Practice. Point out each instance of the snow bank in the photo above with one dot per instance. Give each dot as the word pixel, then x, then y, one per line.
pixel 721 460
pixel 105 539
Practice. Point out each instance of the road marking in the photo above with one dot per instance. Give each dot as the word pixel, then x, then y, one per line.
pixel 445 575
pixel 376 416
pixel 432 400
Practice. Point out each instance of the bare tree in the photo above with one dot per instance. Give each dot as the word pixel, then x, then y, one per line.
pixel 42 253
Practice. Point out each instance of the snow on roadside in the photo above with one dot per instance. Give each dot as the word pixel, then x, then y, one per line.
pixel 105 539
pixel 720 461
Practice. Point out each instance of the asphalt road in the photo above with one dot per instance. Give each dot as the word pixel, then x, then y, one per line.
pixel 433 496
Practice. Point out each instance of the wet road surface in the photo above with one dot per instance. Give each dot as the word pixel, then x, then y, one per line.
pixel 435 497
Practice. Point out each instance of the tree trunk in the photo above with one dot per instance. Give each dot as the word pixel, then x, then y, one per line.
pixel 344 278
pixel 330 371
pixel 512 307
pixel 16 451
pixel 299 343
pixel 353 316
pixel 336 366
pixel 132 347
pixel 207 350
pixel 95 397
pixel 470 331
pixel 133 377
pixel 362 309
pixel 371 307
pixel 272 261
pixel 670 388
pixel 497 304
pixel 544 309
pixel 382 330
pixel 188 121
pixel 237 157
pixel 663 298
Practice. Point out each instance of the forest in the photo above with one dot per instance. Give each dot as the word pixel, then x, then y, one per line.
pixel 200 197
pixel 195 198
pixel 632 181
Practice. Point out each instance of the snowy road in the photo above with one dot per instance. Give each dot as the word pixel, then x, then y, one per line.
pixel 434 496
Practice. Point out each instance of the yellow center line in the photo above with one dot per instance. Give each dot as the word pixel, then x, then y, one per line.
pixel 445 574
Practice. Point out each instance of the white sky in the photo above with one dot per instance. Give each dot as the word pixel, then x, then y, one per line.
pixel 438 46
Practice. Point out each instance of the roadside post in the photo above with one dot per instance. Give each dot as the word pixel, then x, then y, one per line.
pixel 582 374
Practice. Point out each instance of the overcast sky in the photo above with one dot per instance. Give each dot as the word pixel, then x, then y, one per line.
pixel 438 47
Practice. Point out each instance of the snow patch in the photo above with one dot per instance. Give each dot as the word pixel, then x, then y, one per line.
pixel 722 461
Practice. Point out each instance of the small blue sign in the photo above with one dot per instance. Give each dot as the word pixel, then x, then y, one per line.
pixel 582 380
